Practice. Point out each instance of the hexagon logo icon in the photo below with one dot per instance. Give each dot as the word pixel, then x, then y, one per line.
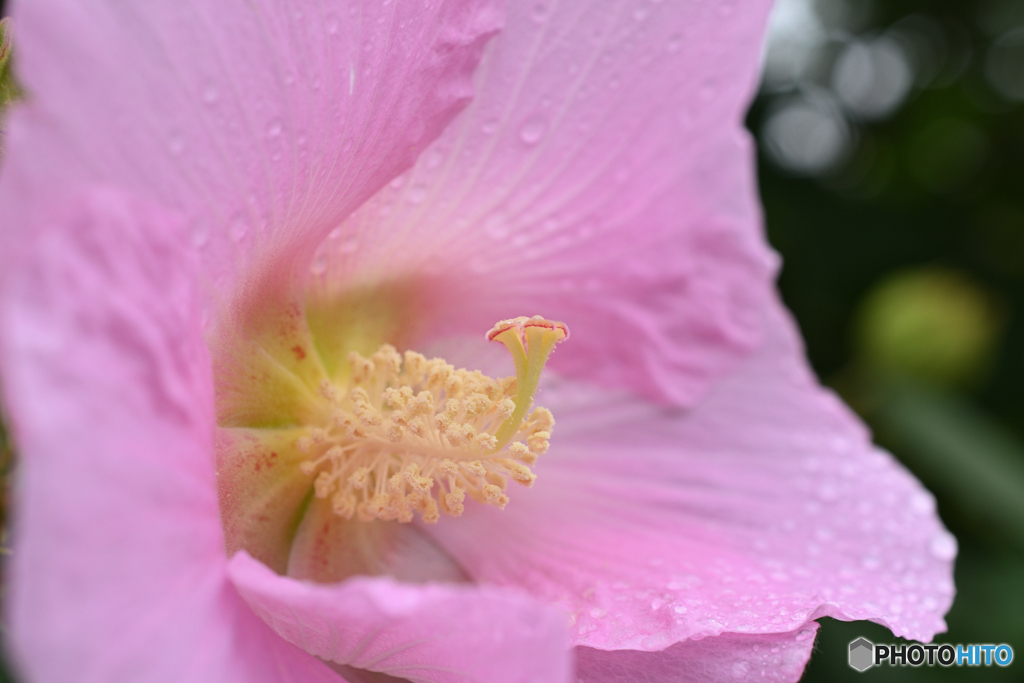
pixel 862 654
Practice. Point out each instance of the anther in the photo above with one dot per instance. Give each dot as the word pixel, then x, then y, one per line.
pixel 412 436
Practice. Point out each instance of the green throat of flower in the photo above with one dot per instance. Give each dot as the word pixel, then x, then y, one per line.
pixel 330 441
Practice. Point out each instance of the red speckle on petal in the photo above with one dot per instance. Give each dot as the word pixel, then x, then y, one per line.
pixel 300 353
pixel 264 460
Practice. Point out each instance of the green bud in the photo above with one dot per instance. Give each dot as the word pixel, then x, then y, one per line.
pixel 931 324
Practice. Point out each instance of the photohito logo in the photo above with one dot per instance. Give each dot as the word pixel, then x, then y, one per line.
pixel 864 654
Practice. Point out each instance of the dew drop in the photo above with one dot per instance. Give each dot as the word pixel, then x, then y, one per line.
pixel 943 546
pixel 274 128
pixel 176 143
pixel 827 493
pixel 331 23
pixel 489 126
pixel 539 13
pixel 533 129
pixel 640 13
pixel 675 41
pixel 598 613
pixel 740 670
pixel 656 641
pixel 679 609
pixel 922 503
pixel 417 194
pixel 210 94
pixel 319 266
pixel 434 158
pixel 239 229
pixel 496 227
pixel 200 237
pixel 350 246
pixel 803 634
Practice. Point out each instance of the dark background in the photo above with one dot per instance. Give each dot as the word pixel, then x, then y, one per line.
pixel 891 162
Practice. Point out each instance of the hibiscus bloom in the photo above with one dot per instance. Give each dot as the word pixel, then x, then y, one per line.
pixel 213 244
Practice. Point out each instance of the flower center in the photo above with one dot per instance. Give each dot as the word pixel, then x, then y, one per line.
pixel 409 435
pixel 327 440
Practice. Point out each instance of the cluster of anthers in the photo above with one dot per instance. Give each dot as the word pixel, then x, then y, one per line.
pixel 412 435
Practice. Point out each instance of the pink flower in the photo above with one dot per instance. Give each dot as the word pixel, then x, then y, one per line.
pixel 192 200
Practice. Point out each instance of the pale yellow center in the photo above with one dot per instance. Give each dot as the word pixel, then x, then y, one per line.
pixel 406 434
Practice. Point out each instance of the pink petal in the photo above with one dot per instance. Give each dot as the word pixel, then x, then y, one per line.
pixel 762 507
pixel 327 548
pixel 263 123
pixel 118 567
pixel 601 177
pixel 438 632
pixel 773 657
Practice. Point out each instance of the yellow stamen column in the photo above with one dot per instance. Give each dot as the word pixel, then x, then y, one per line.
pixel 411 435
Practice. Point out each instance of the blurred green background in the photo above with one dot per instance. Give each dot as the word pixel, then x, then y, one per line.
pixel 891 163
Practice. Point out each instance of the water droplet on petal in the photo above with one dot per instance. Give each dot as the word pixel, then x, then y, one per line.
pixel 319 266
pixel 350 246
pixel 675 41
pixel 200 236
pixel 740 670
pixel 827 493
pixel 533 129
pixel 210 93
pixel 943 546
pixel 434 158
pixel 598 613
pixel 539 13
pixel 176 143
pixel 239 229
pixel 274 128
pixel 331 24
pixel 803 634
pixel 489 126
pixel 417 194
pixel 496 227
pixel 922 503
pixel 871 562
